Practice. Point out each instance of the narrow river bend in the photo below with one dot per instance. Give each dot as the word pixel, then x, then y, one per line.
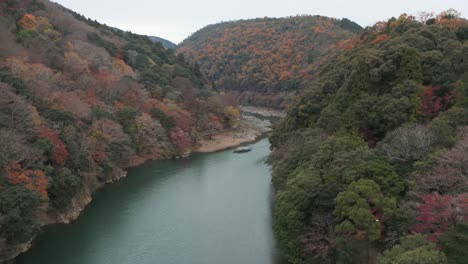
pixel 208 208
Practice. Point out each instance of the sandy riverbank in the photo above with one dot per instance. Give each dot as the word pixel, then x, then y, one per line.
pixel 249 130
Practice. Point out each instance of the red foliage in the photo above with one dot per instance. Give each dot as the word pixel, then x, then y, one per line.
pixel 216 122
pixel 35 180
pixel 70 101
pixel 93 101
pixel 434 100
pixel 181 139
pixel 59 153
pixel 381 38
pixel 153 103
pixel 349 44
pixel 183 119
pixel 435 216
pixel 99 152
pixel 105 79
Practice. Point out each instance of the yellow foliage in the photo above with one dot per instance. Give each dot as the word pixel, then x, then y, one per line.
pixel 70 46
pixel 123 67
pixel 171 105
pixel 36 118
pixel 151 61
pixel 233 115
pixel 43 23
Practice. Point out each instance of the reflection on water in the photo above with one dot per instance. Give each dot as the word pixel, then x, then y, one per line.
pixel 209 208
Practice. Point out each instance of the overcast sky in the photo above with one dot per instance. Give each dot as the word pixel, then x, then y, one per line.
pixel 177 19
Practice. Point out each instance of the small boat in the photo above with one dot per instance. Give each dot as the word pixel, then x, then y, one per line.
pixel 242 149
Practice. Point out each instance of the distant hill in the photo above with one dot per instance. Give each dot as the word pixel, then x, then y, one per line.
pixel 166 43
pixel 264 59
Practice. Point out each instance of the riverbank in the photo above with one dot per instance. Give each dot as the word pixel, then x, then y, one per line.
pixel 250 128
pixel 174 211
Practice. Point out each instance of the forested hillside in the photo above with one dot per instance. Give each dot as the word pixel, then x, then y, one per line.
pixel 79 102
pixel 370 164
pixel 265 61
pixel 166 43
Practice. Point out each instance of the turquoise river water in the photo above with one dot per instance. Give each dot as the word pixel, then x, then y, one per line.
pixel 207 209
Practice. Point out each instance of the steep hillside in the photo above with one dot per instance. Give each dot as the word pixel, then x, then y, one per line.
pixel 266 59
pixel 166 43
pixel 80 102
pixel 372 158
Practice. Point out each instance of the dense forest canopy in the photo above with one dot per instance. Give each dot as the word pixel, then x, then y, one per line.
pixel 372 158
pixel 264 61
pixel 369 166
pixel 81 101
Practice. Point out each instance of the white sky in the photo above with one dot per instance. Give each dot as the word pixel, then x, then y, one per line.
pixel 176 19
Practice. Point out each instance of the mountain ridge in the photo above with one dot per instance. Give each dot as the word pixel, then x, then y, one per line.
pixel 166 43
pixel 274 56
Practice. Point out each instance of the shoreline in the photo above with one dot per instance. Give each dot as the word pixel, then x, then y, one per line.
pixel 249 130
pixel 232 138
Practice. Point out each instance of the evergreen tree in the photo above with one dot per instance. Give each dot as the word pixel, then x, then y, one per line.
pixel 410 66
pixel 456 244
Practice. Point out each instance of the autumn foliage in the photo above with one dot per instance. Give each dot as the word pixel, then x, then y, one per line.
pixel 182 140
pixel 35 180
pixel 59 152
pixel 28 21
pixel 266 54
pixel 438 213
pixel 434 100
pixel 388 109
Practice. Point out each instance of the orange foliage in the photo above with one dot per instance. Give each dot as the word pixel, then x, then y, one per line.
pixel 123 67
pixel 349 44
pixel 105 78
pixel 118 105
pixel 381 38
pixel 59 153
pixel 451 18
pixel 319 29
pixel 28 21
pixel 153 103
pixel 35 180
pixel 93 101
pixel 265 54
pixel 70 101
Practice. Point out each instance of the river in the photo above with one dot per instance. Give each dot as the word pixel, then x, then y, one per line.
pixel 208 208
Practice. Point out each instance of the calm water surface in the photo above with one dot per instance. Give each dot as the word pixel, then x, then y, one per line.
pixel 209 208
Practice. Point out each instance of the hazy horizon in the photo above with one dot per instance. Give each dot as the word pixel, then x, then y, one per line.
pixel 175 21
